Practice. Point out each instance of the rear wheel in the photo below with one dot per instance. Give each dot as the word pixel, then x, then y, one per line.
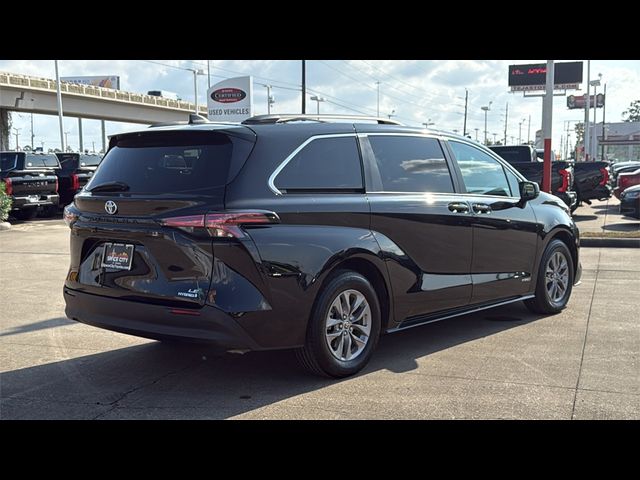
pixel 50 211
pixel 555 280
pixel 25 213
pixel 344 327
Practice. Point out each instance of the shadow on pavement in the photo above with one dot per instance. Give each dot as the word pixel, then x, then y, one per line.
pixel 32 327
pixel 157 380
pixel 582 218
pixel 623 227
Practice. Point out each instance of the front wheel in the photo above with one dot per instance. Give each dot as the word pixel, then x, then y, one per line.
pixel 555 280
pixel 344 327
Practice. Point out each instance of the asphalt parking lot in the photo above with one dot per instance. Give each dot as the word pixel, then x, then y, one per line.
pixel 505 363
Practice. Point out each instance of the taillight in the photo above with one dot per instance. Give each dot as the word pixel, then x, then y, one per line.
pixel 605 176
pixel 221 225
pixel 75 182
pixel 8 186
pixel 566 177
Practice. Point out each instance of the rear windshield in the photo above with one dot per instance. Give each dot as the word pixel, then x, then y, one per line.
pixel 90 160
pixel 39 161
pixel 8 161
pixel 514 154
pixel 169 163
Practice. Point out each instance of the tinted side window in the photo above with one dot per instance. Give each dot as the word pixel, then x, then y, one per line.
pixel 323 164
pixel 411 164
pixel 514 183
pixel 481 173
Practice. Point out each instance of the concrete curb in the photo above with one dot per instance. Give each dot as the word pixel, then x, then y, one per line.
pixel 607 242
pixel 5 226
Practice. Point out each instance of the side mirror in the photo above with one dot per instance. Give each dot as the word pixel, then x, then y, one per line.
pixel 528 191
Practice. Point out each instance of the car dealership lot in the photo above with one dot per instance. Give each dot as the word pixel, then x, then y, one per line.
pixel 501 363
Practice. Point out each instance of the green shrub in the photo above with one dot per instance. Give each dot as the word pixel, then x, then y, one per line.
pixel 5 203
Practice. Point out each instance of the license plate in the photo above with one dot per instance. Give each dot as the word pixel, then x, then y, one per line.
pixel 118 256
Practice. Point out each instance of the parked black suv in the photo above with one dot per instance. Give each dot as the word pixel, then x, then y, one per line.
pixel 310 235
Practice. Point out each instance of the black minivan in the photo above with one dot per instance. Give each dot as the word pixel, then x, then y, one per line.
pixel 290 231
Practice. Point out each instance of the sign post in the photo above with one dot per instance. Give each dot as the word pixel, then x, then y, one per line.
pixel 547 117
pixel 230 100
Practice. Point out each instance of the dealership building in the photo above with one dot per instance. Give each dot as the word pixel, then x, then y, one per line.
pixel 617 140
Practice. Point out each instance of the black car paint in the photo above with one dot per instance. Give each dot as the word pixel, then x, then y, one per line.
pixel 417 252
pixel 630 202
pixel 590 183
pixel 72 164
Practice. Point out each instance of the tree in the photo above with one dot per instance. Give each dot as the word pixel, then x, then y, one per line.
pixel 5 203
pixel 632 113
pixel 579 128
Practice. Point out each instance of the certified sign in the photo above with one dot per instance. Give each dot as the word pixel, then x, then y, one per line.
pixel 230 100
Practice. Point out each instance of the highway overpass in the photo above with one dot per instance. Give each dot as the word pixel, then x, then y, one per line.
pixel 24 93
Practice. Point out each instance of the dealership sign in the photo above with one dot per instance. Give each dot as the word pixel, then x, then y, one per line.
pixel 566 76
pixel 579 101
pixel 230 100
pixel 105 81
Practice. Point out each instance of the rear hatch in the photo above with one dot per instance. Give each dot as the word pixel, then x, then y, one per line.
pixel 31 177
pixel 122 243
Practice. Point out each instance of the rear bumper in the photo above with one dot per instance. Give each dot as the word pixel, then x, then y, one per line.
pixel 29 202
pixel 598 193
pixel 212 326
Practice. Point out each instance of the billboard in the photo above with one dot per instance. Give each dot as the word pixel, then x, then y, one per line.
pixel 533 76
pixel 105 81
pixel 230 100
pixel 579 101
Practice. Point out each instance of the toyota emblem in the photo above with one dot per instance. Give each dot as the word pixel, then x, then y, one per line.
pixel 111 207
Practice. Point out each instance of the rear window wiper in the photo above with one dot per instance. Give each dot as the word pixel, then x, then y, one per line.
pixel 110 187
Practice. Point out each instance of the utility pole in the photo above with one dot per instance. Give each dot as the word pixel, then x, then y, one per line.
pixel 547 118
pixel 66 140
pixel 587 104
pixel 93 147
pixel 476 129
pixel 506 119
pixel 268 99
pixel 304 87
pixel 32 146
pixel 466 102
pixel 104 136
pixel 494 137
pixel 80 134
pixel 208 75
pixel 378 109
pixel 529 131
pixel 604 131
pixel 16 131
pixel 59 93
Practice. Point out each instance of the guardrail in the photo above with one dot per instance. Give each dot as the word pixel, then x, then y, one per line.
pixel 47 84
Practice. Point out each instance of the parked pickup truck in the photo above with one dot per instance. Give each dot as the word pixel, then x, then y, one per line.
pixel 75 171
pixel 524 159
pixel 591 180
pixel 31 182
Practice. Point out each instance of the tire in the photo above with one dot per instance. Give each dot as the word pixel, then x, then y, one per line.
pixel 549 300
pixel 326 330
pixel 25 213
pixel 50 211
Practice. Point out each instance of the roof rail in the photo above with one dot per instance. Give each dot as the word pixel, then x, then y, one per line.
pixel 294 117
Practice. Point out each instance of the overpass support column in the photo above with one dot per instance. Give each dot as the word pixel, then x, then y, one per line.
pixel 4 129
pixel 80 135
pixel 104 137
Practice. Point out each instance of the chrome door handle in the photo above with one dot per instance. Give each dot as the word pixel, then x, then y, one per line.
pixel 459 207
pixel 481 208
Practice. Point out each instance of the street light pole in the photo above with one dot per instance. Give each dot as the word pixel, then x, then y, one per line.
pixel 16 131
pixel 378 109
pixel 32 147
pixel 466 101
pixel 587 104
pixel 59 95
pixel 486 108
pixel 596 84
pixel 66 140
pixel 428 122
pixel 318 100
pixel 476 129
pixel 529 131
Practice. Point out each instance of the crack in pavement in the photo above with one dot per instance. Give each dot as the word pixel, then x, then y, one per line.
pixel 115 405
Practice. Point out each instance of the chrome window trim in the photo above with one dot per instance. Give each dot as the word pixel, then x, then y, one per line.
pixel 279 168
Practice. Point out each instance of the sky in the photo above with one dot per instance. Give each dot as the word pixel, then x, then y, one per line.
pixel 413 91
